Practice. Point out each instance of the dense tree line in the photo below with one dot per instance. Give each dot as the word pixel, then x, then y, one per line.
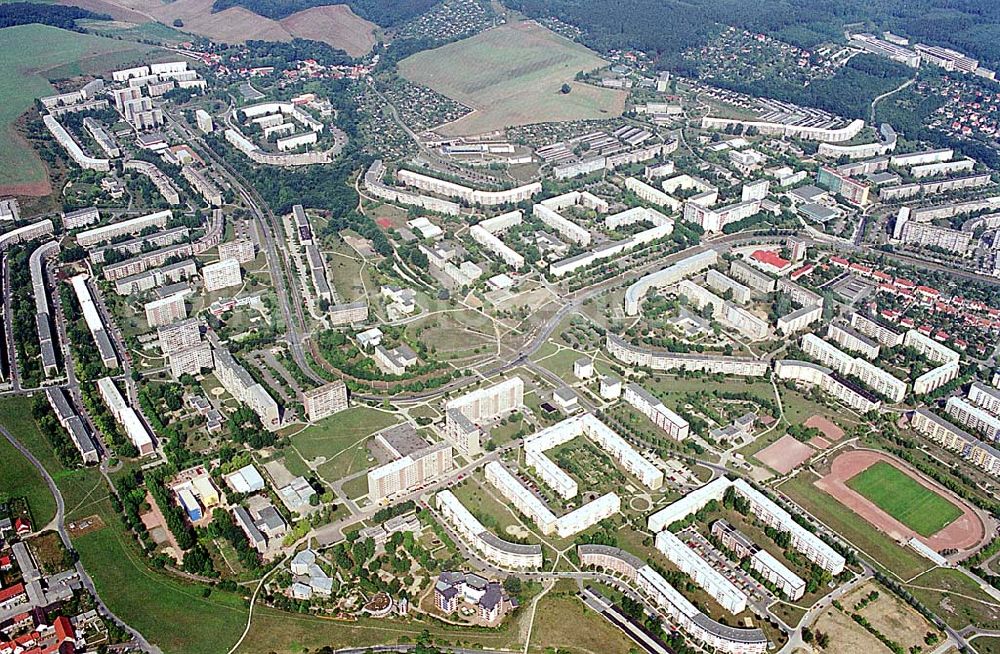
pixel 284 54
pixel 24 13
pixel 848 93
pixel 972 26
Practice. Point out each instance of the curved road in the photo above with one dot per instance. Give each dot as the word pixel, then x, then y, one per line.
pixel 137 638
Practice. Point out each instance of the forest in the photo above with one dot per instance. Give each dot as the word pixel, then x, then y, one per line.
pixel 668 27
pixel 385 13
pixel 849 93
pixel 23 13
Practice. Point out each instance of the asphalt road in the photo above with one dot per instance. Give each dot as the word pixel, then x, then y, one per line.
pixel 60 524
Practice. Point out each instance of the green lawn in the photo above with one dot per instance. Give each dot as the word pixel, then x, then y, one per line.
pixel 21 479
pixel 171 614
pixel 878 547
pixel 287 633
pixel 905 499
pixel 33 54
pixel 333 435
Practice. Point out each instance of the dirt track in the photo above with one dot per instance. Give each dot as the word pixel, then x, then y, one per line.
pixel 966 532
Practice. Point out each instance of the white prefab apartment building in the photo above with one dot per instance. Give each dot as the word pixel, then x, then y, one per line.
pixel 465 193
pixel 126 416
pixel 410 471
pixel 325 401
pixel 585 425
pixel 235 379
pixel 669 275
pixel 957 439
pixel 465 415
pixel 846 364
pixel 222 274
pixel 720 637
pixel 493 548
pixel 179 335
pixel 534 508
pixel 701 572
pixel 763 508
pixel 241 249
pixel 166 310
pixel 974 417
pixel 98 235
pixel 651 407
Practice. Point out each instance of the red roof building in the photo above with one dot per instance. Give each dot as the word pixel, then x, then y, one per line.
pixel 801 272
pixel 881 276
pixel 770 260
pixel 11 596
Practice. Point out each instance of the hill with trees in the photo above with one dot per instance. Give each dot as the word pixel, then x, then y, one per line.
pixel 667 27
pixel 386 13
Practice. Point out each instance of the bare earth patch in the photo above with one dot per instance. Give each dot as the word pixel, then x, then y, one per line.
pixel 785 454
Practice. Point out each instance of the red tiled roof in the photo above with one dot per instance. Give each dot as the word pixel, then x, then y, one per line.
pixel 770 258
pixel 10 592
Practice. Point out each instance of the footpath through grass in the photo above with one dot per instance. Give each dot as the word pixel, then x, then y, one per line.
pixel 170 613
pixel 904 498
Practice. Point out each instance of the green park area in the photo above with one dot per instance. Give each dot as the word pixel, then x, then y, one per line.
pixel 904 498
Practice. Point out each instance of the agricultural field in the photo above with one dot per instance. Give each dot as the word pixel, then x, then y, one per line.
pixel 899 495
pixel 32 55
pixel 336 25
pixel 512 75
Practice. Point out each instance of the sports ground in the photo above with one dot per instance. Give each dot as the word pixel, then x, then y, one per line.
pixel 899 495
pixel 512 75
pixel 900 502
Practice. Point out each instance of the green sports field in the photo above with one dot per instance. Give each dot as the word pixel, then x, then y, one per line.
pixel 902 497
pixel 512 75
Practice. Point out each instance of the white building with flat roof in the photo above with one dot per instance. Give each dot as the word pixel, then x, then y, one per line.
pixel 494 549
pixel 702 572
pixel 135 428
pixel 98 235
pixel 166 310
pixel 658 413
pixel 325 401
pixel 222 274
pixel 695 263
pixel 974 417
